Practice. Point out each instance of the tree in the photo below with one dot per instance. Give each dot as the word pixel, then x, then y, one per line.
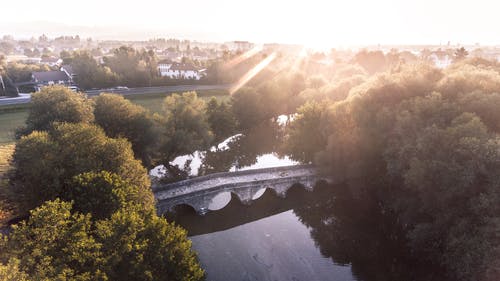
pixel 145 248
pixel 371 61
pixel 184 126
pixel 460 54
pixel 11 272
pixel 89 74
pixel 19 72
pixel 55 245
pixel 57 104
pixel 425 142
pixel 134 68
pixel 306 135
pixel 103 193
pixel 121 118
pixel 46 162
pixel 58 244
pixel 246 105
pixel 221 119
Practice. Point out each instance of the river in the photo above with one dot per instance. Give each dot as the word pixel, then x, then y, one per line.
pixel 308 235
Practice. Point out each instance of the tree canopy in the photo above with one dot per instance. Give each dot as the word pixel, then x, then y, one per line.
pixel 45 162
pixel 185 127
pixel 57 104
pixel 121 118
pixel 425 144
pixel 59 244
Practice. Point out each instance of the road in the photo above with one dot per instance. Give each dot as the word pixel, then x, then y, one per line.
pixel 26 98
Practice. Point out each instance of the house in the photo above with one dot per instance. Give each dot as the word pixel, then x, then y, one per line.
pixel 69 70
pixel 164 66
pixel 240 45
pixel 174 70
pixel 51 61
pixel 48 78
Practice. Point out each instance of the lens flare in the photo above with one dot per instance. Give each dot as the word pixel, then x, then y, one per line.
pixel 299 59
pixel 250 74
pixel 246 55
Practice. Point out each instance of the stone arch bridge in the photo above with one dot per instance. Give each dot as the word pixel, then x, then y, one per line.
pixel 201 191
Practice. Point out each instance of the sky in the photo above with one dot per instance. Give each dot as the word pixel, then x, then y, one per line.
pixel 315 23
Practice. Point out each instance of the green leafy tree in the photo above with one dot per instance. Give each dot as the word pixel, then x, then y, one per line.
pixel 306 135
pixel 103 193
pixel 121 118
pixel 11 272
pixel 221 119
pixel 134 68
pixel 57 104
pixel 146 247
pixel 246 105
pixel 89 74
pixel 185 126
pixel 55 245
pixel 58 244
pixel 424 142
pixel 45 162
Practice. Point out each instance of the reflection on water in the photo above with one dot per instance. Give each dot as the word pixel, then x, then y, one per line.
pixel 325 234
pixel 272 248
pixel 257 148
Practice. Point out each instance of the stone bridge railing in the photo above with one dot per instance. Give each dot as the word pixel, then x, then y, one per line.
pixel 199 192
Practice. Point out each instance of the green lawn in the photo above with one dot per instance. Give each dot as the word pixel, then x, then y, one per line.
pixel 154 102
pixel 9 122
pixel 12 117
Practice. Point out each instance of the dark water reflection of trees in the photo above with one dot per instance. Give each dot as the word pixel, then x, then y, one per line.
pixel 244 150
pixel 346 228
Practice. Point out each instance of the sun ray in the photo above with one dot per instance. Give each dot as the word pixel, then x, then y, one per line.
pixel 252 72
pixel 246 55
pixel 299 59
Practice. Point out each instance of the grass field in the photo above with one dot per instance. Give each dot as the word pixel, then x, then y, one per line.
pixel 12 117
pixel 153 102
pixel 9 122
pixel 6 151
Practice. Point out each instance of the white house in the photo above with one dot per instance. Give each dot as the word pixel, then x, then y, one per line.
pixel 174 70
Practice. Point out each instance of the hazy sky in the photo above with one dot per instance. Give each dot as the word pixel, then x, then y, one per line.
pixel 311 22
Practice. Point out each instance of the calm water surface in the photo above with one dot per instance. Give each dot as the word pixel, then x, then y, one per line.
pixel 308 235
pixel 278 247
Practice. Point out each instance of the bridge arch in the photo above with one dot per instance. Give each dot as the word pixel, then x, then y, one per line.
pixel 181 208
pixel 216 191
pixel 220 200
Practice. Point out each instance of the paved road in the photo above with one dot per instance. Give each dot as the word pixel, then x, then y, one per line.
pixel 25 98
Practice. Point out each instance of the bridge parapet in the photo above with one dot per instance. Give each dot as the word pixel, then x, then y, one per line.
pixel 199 192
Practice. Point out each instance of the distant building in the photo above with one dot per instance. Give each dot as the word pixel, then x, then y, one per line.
pixel 69 70
pixel 51 61
pixel 164 66
pixel 49 78
pixel 175 70
pixel 239 45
